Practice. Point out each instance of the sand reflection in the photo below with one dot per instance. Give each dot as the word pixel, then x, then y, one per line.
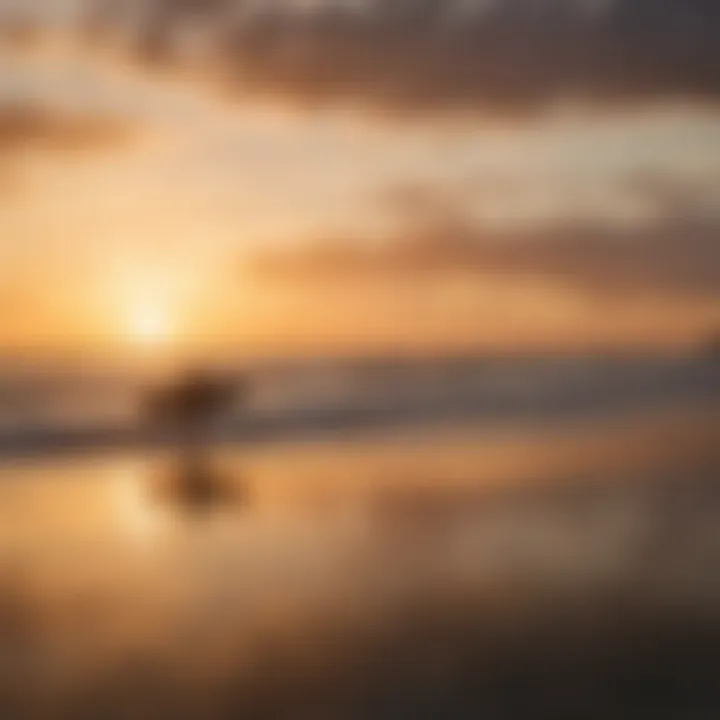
pixel 376 580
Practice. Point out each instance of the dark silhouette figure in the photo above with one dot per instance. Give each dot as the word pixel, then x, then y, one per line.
pixel 187 410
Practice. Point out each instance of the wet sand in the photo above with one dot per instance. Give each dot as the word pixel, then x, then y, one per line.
pixel 569 571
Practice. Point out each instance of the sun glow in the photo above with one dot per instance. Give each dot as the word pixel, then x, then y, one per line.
pixel 149 325
pixel 138 517
pixel 147 304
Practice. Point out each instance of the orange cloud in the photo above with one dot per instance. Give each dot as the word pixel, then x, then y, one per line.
pixel 34 127
pixel 675 252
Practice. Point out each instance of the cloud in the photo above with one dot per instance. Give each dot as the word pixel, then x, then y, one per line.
pixel 47 134
pixel 494 56
pixel 677 251
pixel 29 126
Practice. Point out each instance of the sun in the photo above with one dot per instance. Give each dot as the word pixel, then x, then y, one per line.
pixel 149 306
pixel 149 325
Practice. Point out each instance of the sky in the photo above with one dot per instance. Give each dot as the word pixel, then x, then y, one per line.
pixel 360 176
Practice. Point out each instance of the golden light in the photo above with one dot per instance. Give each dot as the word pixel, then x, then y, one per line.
pixel 138 517
pixel 149 324
pixel 144 303
pixel 151 306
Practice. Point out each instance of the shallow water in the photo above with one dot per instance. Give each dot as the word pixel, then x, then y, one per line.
pixel 517 573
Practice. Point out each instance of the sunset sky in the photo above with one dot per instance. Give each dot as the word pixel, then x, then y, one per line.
pixel 355 176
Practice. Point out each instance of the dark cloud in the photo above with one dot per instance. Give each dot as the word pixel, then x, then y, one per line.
pixel 678 251
pixel 496 56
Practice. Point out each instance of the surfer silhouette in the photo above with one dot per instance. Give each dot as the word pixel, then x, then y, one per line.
pixel 188 409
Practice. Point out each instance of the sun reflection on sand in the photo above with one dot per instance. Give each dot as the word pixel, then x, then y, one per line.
pixel 137 515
